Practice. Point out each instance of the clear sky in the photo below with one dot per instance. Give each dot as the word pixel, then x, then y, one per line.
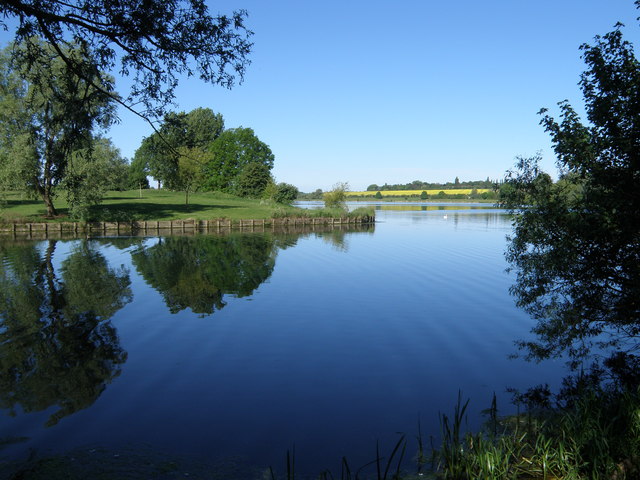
pixel 381 91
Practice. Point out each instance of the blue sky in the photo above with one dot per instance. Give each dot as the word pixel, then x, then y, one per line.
pixel 380 91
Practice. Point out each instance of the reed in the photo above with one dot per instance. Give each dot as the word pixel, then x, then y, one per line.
pixel 595 435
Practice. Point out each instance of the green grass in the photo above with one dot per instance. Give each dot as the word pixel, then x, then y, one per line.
pixel 158 205
pixel 595 435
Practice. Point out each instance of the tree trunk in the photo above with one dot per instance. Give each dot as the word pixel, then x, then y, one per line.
pixel 48 201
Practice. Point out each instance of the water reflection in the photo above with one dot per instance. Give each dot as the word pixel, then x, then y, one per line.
pixel 57 345
pixel 196 272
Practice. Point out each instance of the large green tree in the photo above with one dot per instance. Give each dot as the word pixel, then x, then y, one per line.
pixel 153 42
pixel 159 153
pixel 234 151
pixel 90 173
pixel 47 112
pixel 576 242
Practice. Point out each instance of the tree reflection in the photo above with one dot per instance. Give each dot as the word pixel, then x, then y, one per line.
pixel 196 272
pixel 57 346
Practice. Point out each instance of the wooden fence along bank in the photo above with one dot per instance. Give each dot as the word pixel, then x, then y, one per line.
pixel 168 227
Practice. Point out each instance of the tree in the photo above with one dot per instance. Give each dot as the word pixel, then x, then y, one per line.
pixel 378 195
pixel 137 175
pixel 46 118
pixel 154 42
pixel 576 242
pixel 337 196
pixel 190 164
pixel 285 193
pixel 90 173
pixel 232 151
pixel 159 152
pixel 424 195
pixel 252 180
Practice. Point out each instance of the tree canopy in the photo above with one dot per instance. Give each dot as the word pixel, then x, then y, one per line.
pixel 153 42
pixel 47 112
pixel 576 242
pixel 233 151
pixel 159 153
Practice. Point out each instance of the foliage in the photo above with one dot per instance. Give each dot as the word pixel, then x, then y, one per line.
pixel 285 193
pixel 137 174
pixel 420 185
pixel 91 172
pixel 576 245
pixel 57 346
pixel 159 154
pixel 191 162
pixel 46 117
pixel 252 180
pixel 315 195
pixel 337 196
pixel 153 42
pixel 592 432
pixel 281 193
pixel 233 151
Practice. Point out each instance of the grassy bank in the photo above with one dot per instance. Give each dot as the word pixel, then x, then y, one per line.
pixel 159 205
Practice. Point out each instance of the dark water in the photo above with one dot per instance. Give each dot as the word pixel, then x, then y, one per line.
pixel 246 344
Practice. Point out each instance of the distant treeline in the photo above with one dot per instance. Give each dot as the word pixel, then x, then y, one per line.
pixel 420 185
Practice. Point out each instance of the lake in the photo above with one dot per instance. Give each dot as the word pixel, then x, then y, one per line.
pixel 246 344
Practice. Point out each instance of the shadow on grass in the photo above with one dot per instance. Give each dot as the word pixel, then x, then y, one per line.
pixel 18 202
pixel 153 211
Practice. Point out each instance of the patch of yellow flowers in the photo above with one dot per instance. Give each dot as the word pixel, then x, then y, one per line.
pixel 405 193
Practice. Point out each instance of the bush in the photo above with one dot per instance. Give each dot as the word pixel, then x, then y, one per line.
pixel 337 197
pixel 285 193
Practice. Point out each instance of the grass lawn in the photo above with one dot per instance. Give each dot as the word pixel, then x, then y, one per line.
pixel 153 205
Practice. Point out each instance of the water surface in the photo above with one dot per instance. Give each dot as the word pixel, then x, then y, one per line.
pixel 246 344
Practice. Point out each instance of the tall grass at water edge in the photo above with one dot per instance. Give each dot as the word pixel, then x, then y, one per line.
pixel 594 435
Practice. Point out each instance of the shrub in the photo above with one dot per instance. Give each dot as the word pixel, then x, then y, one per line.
pixel 337 196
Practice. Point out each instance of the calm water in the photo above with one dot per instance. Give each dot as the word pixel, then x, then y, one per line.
pixel 249 343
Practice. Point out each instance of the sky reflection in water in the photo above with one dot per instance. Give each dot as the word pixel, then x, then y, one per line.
pixel 248 343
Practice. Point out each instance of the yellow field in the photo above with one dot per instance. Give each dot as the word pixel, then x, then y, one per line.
pixel 403 193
